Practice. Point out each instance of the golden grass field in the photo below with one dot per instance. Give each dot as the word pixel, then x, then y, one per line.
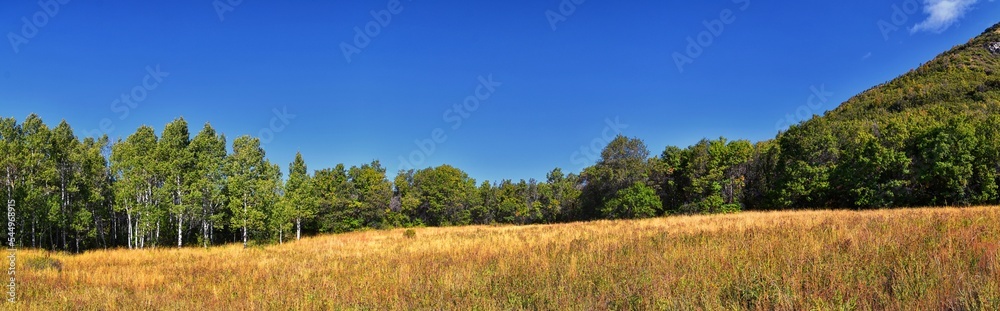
pixel 912 259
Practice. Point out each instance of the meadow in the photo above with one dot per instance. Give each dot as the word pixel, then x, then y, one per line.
pixel 926 259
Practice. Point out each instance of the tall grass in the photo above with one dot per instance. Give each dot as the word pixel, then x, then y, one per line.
pixel 926 259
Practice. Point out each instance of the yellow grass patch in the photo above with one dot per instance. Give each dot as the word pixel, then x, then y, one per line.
pixel 895 259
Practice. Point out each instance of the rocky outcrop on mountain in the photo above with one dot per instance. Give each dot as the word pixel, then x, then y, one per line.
pixel 994 47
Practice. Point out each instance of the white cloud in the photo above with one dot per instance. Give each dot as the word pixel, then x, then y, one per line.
pixel 943 13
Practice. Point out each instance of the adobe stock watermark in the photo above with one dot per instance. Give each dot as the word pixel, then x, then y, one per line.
pixel 456 116
pixel 130 100
pixel 819 97
pixel 31 26
pixel 564 10
pixel 590 153
pixel 279 121
pixel 900 17
pixel 225 6
pixel 12 250
pixel 363 37
pixel 713 30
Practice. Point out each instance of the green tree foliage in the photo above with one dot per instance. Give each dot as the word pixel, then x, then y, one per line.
pixel 12 165
pixel 299 198
pixel 483 203
pixel 370 194
pixel 510 207
pixel 252 183
pixel 761 176
pixel 89 222
pixel 64 146
pixel 708 177
pixel 405 201
pixel 336 209
pixel 559 195
pixel 39 192
pixel 945 162
pixel 208 150
pixel 137 176
pixel 176 165
pixel 445 194
pixel 715 174
pixel 809 152
pixel 623 163
pixel 356 198
pixel 637 201
pixel 986 178
pixel 12 147
pixel 872 172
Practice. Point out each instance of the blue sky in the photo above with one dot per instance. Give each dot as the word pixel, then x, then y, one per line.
pixel 553 91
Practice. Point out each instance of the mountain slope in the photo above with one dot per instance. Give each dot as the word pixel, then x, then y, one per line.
pixel 928 137
pixel 965 79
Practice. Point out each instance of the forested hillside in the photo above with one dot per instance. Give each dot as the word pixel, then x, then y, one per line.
pixel 929 137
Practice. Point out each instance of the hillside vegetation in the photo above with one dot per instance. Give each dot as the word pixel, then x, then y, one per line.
pixel 963 80
pixel 928 137
pixel 908 259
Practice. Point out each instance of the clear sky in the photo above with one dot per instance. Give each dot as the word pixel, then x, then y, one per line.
pixel 553 90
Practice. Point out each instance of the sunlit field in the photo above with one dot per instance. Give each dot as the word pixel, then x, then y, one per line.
pixel 916 259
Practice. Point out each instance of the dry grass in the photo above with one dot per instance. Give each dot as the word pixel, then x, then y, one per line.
pixel 927 259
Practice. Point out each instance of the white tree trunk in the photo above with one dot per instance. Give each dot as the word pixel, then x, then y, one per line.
pixel 204 233
pixel 180 233
pixel 128 214
pixel 298 229
pixel 156 242
pixel 63 205
pixel 180 216
pixel 138 233
pixel 10 185
pixel 204 223
pixel 244 223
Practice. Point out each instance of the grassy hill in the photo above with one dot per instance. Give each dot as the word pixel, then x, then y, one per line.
pixel 916 259
pixel 929 137
pixel 963 80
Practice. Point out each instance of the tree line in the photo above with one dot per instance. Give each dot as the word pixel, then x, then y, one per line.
pixel 172 189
